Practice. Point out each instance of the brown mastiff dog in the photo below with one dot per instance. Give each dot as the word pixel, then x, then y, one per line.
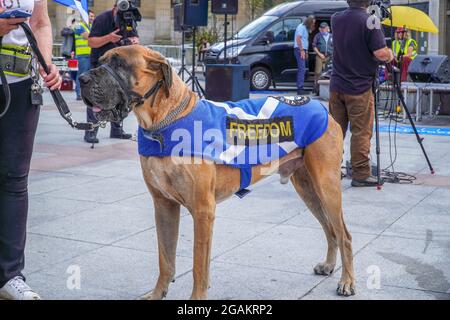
pixel 138 79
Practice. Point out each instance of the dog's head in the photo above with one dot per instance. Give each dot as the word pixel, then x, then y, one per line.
pixel 123 81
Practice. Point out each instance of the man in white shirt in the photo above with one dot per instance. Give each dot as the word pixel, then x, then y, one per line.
pixel 301 46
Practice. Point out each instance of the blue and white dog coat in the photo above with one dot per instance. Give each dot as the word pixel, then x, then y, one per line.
pixel 239 134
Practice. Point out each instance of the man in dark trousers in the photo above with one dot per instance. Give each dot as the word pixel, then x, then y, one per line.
pixel 359 47
pixel 301 47
pixel 104 36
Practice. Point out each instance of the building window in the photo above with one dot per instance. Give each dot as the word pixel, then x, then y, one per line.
pixel 137 3
pixel 90 3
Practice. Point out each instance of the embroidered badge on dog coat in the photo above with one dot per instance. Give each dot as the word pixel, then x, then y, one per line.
pixel 240 134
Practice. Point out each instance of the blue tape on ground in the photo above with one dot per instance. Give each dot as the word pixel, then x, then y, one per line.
pixel 275 93
pixel 435 131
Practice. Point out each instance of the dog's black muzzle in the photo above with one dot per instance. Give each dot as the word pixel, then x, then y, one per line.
pixel 122 99
pixel 104 96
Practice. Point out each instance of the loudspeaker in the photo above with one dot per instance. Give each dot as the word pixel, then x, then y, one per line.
pixel 430 69
pixel 194 13
pixel 227 82
pixel 178 17
pixel 224 6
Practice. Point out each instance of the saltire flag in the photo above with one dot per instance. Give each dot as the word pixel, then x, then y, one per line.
pixel 80 5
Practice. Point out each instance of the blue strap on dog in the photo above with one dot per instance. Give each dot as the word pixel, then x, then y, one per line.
pixel 246 179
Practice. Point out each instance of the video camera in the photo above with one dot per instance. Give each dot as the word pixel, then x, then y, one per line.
pixel 380 8
pixel 128 16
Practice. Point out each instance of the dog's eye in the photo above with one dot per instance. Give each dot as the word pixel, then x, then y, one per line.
pixel 136 83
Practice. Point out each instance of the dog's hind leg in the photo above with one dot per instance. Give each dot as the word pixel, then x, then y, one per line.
pixel 167 218
pixel 326 185
pixel 304 186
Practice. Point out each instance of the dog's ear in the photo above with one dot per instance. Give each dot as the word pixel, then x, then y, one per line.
pixel 157 62
pixel 167 72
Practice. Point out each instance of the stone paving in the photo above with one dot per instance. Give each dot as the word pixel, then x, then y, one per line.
pixel 91 216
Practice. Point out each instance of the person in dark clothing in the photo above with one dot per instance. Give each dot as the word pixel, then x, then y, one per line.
pixel 359 46
pixel 323 47
pixel 104 36
pixel 17 131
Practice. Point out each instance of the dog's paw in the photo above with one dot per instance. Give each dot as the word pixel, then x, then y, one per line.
pixel 346 288
pixel 324 269
pixel 154 295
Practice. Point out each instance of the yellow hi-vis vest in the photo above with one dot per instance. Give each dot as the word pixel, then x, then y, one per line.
pixel 81 44
pixel 397 45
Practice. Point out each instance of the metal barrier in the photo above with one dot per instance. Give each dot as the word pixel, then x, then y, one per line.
pixel 173 53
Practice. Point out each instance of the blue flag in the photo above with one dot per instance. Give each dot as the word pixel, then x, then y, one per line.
pixel 80 5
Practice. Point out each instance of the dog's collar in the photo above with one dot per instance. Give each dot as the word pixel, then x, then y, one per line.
pixel 136 98
pixel 152 132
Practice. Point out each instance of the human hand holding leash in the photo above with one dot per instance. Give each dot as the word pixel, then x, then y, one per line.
pixel 52 79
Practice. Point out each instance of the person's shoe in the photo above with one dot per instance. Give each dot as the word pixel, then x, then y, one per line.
pixel 90 137
pixel 369 182
pixel 17 289
pixel 120 134
pixel 302 92
pixel 79 98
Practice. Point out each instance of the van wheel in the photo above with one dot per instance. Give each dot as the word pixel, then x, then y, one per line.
pixel 261 78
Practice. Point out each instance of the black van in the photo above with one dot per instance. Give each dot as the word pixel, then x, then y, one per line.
pixel 267 43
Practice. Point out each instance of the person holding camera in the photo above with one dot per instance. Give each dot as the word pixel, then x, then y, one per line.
pixel 17 131
pixel 105 35
pixel 359 46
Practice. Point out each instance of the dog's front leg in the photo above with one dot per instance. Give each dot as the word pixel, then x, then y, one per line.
pixel 203 232
pixel 167 218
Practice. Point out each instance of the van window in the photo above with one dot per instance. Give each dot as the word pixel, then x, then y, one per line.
pixel 283 31
pixel 255 27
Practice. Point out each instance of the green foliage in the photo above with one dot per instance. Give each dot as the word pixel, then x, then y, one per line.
pixel 211 35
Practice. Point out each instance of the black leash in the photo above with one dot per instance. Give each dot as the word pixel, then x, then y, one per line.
pixel 56 94
pixel 6 90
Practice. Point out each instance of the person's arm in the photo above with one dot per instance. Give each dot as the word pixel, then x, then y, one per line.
pixel 97 42
pixel 411 48
pixel 377 44
pixel 41 26
pixel 300 45
pixel 316 50
pixel 85 35
pixel 384 54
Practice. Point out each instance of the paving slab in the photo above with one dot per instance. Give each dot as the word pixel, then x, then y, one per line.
pixel 103 272
pixel 228 234
pixel 287 248
pixel 102 225
pixel 233 282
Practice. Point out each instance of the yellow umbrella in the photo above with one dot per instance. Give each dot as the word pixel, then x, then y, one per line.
pixel 411 18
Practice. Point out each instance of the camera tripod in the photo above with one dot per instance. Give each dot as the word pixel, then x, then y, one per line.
pixel 196 86
pixel 396 85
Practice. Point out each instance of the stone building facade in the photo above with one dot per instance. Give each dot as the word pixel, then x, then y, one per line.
pixel 157 24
